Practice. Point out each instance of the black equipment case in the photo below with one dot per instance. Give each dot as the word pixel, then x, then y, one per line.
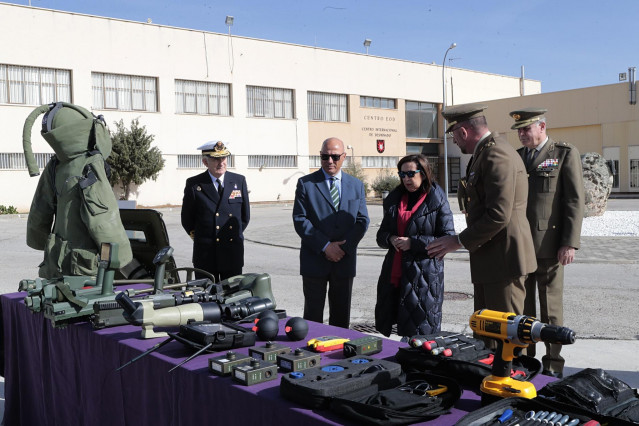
pixel 373 391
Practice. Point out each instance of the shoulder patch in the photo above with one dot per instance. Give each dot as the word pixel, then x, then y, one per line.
pixel 563 144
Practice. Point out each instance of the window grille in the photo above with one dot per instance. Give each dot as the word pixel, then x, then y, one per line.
pixel 272 161
pixel 327 107
pixel 634 173
pixel 269 102
pixel 16 161
pixel 33 85
pixel 201 97
pixel 371 102
pixel 124 92
pixel 378 162
pixel 194 161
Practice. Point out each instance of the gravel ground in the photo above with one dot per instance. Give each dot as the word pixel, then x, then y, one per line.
pixel 611 224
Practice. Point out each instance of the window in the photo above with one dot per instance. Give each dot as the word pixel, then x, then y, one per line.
pixel 327 107
pixel 421 120
pixel 16 161
pixel 124 92
pixel 377 162
pixel 454 173
pixel 269 102
pixel 194 161
pixel 34 86
pixel 201 97
pixel 370 102
pixel 613 167
pixel 634 173
pixel 272 161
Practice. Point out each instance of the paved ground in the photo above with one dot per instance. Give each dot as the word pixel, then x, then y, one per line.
pixel 601 289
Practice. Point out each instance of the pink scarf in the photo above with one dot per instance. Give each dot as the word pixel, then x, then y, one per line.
pixel 403 216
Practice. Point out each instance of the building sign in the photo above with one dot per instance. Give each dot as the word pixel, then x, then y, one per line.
pixel 379 126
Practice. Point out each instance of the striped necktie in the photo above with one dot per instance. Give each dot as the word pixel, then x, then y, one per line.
pixel 334 194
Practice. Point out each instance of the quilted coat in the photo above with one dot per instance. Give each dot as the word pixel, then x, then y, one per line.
pixel 416 305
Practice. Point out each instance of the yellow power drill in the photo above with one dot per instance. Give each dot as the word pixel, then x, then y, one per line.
pixel 513 333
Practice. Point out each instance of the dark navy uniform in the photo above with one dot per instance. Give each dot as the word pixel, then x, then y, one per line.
pixel 217 225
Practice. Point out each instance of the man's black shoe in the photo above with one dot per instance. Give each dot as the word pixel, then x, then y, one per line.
pixel 552 374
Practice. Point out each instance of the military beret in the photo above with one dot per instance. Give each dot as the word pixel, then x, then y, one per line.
pixel 214 149
pixel 461 113
pixel 527 116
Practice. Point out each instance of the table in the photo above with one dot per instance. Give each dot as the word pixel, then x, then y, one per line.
pixel 67 376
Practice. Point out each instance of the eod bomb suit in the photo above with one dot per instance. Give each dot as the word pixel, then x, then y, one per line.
pixel 74 209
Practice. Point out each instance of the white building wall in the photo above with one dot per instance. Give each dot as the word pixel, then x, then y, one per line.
pixel 85 44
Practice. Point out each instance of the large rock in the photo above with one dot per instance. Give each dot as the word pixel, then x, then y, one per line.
pixel 597 183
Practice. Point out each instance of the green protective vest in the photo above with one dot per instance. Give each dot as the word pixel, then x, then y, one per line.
pixel 74 209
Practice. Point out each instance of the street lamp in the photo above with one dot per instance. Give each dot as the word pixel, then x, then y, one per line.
pixel 367 44
pixel 352 152
pixel 452 46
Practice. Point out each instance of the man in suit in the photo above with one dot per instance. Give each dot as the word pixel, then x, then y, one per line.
pixel 494 192
pixel 555 212
pixel 215 213
pixel 331 218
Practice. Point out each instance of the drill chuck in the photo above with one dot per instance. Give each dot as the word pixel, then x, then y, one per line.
pixel 557 334
pixel 530 330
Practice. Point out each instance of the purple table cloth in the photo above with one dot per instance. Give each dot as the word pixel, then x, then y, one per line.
pixel 67 376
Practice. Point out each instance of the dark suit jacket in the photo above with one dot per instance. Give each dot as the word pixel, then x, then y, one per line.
pixel 317 223
pixel 498 235
pixel 555 198
pixel 218 225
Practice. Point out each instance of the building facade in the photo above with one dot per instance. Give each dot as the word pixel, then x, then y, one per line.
pixel 599 119
pixel 272 103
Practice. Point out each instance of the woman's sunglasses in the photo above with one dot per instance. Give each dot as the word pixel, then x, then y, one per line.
pixel 335 157
pixel 410 173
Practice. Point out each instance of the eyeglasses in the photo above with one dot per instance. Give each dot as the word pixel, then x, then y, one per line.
pixel 452 131
pixel 410 174
pixel 335 157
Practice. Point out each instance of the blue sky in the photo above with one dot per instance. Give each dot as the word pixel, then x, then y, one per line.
pixel 564 44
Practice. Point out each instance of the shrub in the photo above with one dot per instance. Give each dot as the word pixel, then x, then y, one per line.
pixel 8 210
pixel 385 181
pixel 356 170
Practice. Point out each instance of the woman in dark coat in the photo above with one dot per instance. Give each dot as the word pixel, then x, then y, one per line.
pixel 410 290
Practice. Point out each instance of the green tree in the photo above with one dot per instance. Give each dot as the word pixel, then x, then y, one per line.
pixel 133 160
pixel 356 170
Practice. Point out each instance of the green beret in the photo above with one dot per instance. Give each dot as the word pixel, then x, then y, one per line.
pixel 215 149
pixel 527 116
pixel 460 113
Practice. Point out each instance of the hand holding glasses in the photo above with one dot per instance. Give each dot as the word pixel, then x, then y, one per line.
pixel 409 173
pixel 335 157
